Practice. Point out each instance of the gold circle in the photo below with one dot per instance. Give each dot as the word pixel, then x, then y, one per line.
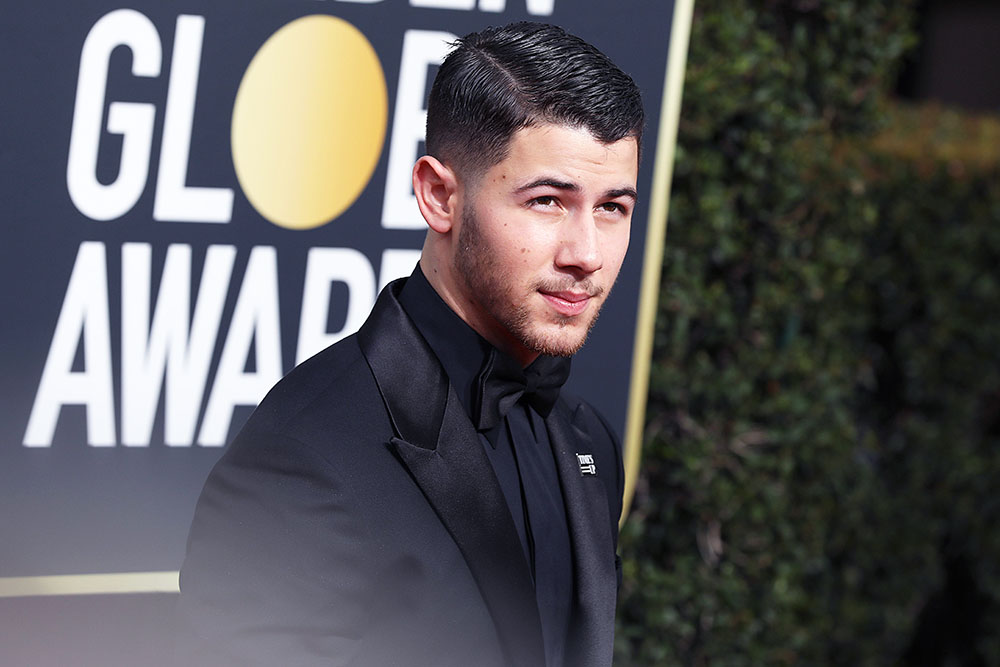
pixel 309 122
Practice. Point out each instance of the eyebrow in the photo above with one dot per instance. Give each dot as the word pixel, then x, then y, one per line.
pixel 573 187
pixel 548 182
pixel 622 192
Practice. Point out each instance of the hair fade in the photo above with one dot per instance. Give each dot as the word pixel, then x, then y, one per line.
pixel 502 79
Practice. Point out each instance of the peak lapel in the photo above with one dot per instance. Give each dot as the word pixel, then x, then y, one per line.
pixel 439 446
pixel 591 637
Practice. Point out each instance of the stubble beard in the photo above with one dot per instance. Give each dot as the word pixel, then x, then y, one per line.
pixel 492 288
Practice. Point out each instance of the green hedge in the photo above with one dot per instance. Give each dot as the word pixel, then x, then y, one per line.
pixel 821 468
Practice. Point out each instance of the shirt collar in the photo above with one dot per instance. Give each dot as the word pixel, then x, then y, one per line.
pixel 459 348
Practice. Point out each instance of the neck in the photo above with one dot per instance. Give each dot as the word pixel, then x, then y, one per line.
pixel 485 325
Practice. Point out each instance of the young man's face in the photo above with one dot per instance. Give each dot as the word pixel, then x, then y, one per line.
pixel 541 239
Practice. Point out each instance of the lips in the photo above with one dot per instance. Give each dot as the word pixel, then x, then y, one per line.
pixel 568 304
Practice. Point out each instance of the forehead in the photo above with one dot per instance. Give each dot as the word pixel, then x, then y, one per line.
pixel 567 152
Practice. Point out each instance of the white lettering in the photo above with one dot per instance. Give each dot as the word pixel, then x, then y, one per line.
pixel 535 7
pixel 445 4
pixel 325 266
pixel 168 342
pixel 176 201
pixel 255 322
pixel 169 345
pixel 421 49
pixel 132 120
pixel 84 316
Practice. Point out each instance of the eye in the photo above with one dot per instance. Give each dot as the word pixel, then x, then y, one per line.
pixel 612 207
pixel 544 200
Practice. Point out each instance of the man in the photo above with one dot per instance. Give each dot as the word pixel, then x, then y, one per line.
pixel 421 493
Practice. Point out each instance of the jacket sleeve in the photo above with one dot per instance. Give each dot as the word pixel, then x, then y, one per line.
pixel 274 540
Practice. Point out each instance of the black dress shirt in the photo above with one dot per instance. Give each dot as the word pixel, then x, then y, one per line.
pixel 519 450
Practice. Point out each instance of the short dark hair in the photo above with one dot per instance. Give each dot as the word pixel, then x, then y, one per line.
pixel 502 79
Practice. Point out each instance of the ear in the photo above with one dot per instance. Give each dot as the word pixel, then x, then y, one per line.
pixel 435 186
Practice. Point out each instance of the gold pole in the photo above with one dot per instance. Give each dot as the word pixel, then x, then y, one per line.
pixel 656 230
pixel 90 584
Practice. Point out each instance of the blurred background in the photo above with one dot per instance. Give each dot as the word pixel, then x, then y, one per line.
pixel 820 474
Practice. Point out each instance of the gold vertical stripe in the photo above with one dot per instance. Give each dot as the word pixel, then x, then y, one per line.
pixel 656 230
pixel 90 584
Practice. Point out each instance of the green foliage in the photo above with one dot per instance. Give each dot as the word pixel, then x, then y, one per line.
pixel 824 414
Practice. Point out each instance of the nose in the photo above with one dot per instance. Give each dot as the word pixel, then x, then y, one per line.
pixel 580 245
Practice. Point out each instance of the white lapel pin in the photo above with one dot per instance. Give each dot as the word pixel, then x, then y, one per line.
pixel 586 462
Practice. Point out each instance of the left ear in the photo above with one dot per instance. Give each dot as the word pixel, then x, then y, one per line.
pixel 435 186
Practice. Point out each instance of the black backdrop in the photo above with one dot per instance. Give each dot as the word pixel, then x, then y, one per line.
pixel 107 435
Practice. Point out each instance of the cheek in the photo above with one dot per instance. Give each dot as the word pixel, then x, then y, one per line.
pixel 616 245
pixel 523 247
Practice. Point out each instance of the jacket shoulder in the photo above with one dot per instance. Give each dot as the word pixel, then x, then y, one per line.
pixel 323 394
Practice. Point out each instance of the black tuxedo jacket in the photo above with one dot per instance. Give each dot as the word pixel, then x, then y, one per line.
pixel 356 520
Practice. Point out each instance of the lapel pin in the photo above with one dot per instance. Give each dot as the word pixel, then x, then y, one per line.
pixel 586 462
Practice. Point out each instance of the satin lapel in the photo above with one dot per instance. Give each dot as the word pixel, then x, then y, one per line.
pixel 591 638
pixel 412 383
pixel 438 444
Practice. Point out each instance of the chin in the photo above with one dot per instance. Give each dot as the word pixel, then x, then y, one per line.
pixel 559 342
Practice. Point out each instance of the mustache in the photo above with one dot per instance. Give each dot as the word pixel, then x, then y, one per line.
pixel 568 284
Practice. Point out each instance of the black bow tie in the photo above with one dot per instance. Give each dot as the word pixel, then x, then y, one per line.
pixel 502 383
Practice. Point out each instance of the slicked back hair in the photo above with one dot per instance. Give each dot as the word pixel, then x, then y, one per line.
pixel 500 80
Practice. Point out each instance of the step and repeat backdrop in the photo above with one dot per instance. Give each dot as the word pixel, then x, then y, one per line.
pixel 196 196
